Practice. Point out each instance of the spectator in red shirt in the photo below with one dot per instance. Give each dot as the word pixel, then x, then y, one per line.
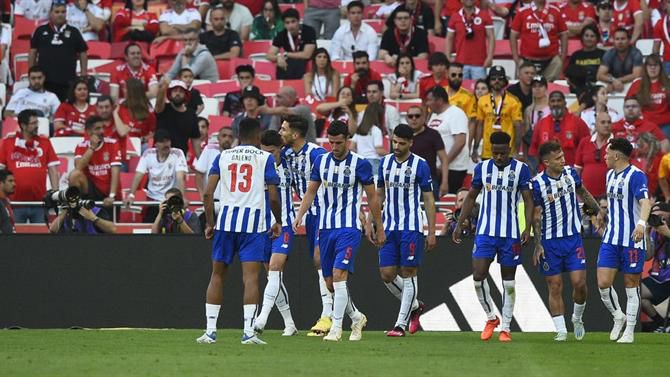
pixel 97 163
pixel 633 124
pixel 134 117
pixel 134 67
pixel 544 38
pixel 104 108
pixel 71 115
pixel 590 156
pixel 470 34
pixel 135 23
pixel 562 126
pixel 7 187
pixel 606 24
pixel 31 157
pixel 358 80
pixel 437 63
pixel 662 37
pixel 577 14
pixel 653 93
pixel 628 14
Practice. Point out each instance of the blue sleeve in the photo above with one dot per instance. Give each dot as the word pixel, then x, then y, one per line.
pixel 638 185
pixel 316 152
pixel 537 195
pixel 524 177
pixel 380 174
pixel 316 175
pixel 271 177
pixel 477 177
pixel 364 172
pixel 215 169
pixel 576 177
pixel 424 177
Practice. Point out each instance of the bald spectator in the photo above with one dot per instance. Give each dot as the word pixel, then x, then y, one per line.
pixel 196 57
pixel 236 16
pixel 175 21
pixel 286 106
pixel 222 42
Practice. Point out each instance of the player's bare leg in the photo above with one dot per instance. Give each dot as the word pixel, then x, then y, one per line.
pixel 480 271
pixel 610 298
pixel 250 271
pixel 276 294
pixel 342 303
pixel 632 284
pixel 509 297
pixel 323 324
pixel 578 280
pixel 556 306
pixel 213 301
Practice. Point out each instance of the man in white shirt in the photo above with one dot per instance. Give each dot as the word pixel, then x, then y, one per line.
pixel 36 10
pixel 224 140
pixel 238 18
pixel 166 167
pixel 375 94
pixel 452 124
pixel 34 97
pixel 354 36
pixel 87 17
pixel 175 21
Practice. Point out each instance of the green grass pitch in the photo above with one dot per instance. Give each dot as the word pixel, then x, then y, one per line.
pixel 175 353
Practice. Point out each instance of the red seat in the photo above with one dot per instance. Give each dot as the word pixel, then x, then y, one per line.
pixel 20 69
pixel 217 122
pixel 255 47
pixel 164 64
pixel 370 11
pixel 269 86
pixel 63 167
pixel 99 50
pixel 381 67
pixel 561 88
pixel 437 44
pixel 502 50
pixel 421 65
pixel 267 69
pixel 221 88
pixel 227 67
pixel 168 48
pixel 19 46
pixel 190 182
pixel 573 45
pixel 343 66
pixel 300 7
pixel 376 24
pixel 23 27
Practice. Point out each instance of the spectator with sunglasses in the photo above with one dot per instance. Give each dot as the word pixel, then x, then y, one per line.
pixel 564 127
pixel 590 155
pixel 354 36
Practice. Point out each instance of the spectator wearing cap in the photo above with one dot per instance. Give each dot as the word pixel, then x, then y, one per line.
pixel 562 126
pixel 662 37
pixel 470 35
pixel 606 25
pixel 452 124
pixel 268 24
pixel 421 13
pixel 428 145
pixel 653 93
pixel 252 100
pixel 577 14
pixel 55 48
pixel 298 43
pixel 32 159
pixel 358 79
pixel 621 64
pixel 196 57
pixel 34 97
pixel 498 111
pixel 195 103
pixel 223 43
pixel 166 168
pixel 286 105
pixel 437 63
pixel 177 20
pixel 590 155
pixel 522 89
pixel 175 116
pixel 633 124
pixel 232 105
pixel 628 14
pixel 354 36
pixel 323 12
pixel 544 38
pixel 235 17
pixel 136 68
pixel 583 66
pixel 135 23
pixel 87 17
pixel 403 37
pixel 7 187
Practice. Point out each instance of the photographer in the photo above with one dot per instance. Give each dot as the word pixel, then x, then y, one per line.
pixel 78 216
pixel 173 217
pixel 656 287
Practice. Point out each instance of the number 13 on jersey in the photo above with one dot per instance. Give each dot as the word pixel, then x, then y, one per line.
pixel 240 177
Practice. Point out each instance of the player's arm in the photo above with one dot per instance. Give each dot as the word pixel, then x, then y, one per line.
pixel 376 212
pixel 208 199
pixel 306 202
pixel 275 207
pixel 429 205
pixel 528 206
pixel 590 206
pixel 537 235
pixel 468 204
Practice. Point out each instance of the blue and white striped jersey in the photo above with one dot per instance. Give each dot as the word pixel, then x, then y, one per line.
pixel 558 198
pixel 244 171
pixel 285 194
pixel 501 190
pixel 404 183
pixel 624 190
pixel 301 164
pixel 341 189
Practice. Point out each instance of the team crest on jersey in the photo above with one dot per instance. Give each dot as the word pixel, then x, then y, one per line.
pixel 621 183
pixel 488 187
pixel 511 175
pixel 477 21
pixel 545 266
pixel 105 156
pixel 551 18
pixel 568 135
pixel 66 33
pixel 408 171
pixel 346 171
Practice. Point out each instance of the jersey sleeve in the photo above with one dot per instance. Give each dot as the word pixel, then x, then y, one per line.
pixel 215 169
pixel 271 177
pixel 142 164
pixel 424 178
pixel 638 185
pixel 364 172
pixel 517 22
pixel 79 150
pixel 480 110
pixel 61 113
pixel 576 177
pixel 537 194
pixel 380 174
pixel 477 177
pixel 524 177
pixel 579 158
pixel 181 161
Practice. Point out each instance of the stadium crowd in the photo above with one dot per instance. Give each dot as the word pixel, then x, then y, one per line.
pixel 131 102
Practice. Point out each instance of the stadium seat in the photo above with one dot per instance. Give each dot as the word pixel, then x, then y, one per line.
pixel 499 28
pixel 65 145
pixel 377 25
pixel 265 70
pixel 437 44
pixel 645 46
pixel 211 107
pixel 9 125
pixel 343 66
pixel 168 48
pixel 404 105
pixel 381 67
pixel 370 10
pixel 219 89
pixel 421 65
pixel 157 8
pixel 272 86
pixel 255 49
pixel 217 122
pixel 43 126
pixel 23 27
pixel 99 50
pixel 21 67
pixel 502 50
pixel 300 7
pixel 323 43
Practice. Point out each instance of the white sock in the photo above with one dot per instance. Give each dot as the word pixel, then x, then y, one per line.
pixel 340 303
pixel 559 323
pixel 212 314
pixel 395 287
pixel 415 303
pixel 408 297
pixel 578 311
pixel 509 296
pixel 283 305
pixel 484 296
pixel 351 309
pixel 632 307
pixel 611 301
pixel 249 316
pixel 269 297
pixel 326 296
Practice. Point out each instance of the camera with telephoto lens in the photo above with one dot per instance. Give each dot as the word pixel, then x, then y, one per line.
pixel 70 199
pixel 174 204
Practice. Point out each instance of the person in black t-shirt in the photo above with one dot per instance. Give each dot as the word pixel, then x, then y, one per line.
pixel 522 89
pixel 232 105
pixel 223 43
pixel 196 103
pixel 298 42
pixel 584 63
pixel 421 13
pixel 403 37
pixel 175 116
pixel 55 47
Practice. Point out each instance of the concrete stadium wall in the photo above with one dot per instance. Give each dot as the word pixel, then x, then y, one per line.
pixel 159 282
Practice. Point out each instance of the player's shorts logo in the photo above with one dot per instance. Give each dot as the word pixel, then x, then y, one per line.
pixel 347 255
pixel 412 251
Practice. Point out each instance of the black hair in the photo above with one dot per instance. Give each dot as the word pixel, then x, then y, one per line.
pixel 557 93
pixel 456 65
pixel 104 98
pixel 526 64
pixel 185 69
pixel 131 44
pixel 176 191
pixel 297 123
pixel 592 28
pixel 25 115
pixel 403 131
pixel 73 86
pixel 337 128
pixel 129 4
pixel 401 8
pixel 4 174
pixel 36 69
pixel 379 84
pixel 92 120
pixel 272 137
pixel 203 119
pixel 397 65
pixel 622 145
pixel 622 30
pixel 360 54
pixel 438 92
pixel 631 98
pixel 355 4
pixel 249 127
pixel 437 58
pixel 245 68
pixel 548 147
pixel 499 137
pixel 290 13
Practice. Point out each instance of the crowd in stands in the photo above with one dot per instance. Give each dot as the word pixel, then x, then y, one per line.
pixel 131 101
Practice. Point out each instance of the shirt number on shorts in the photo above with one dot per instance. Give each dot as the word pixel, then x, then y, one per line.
pixel 245 172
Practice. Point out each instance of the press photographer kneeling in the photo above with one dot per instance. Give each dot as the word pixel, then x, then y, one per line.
pixel 173 217
pixel 656 287
pixel 77 215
